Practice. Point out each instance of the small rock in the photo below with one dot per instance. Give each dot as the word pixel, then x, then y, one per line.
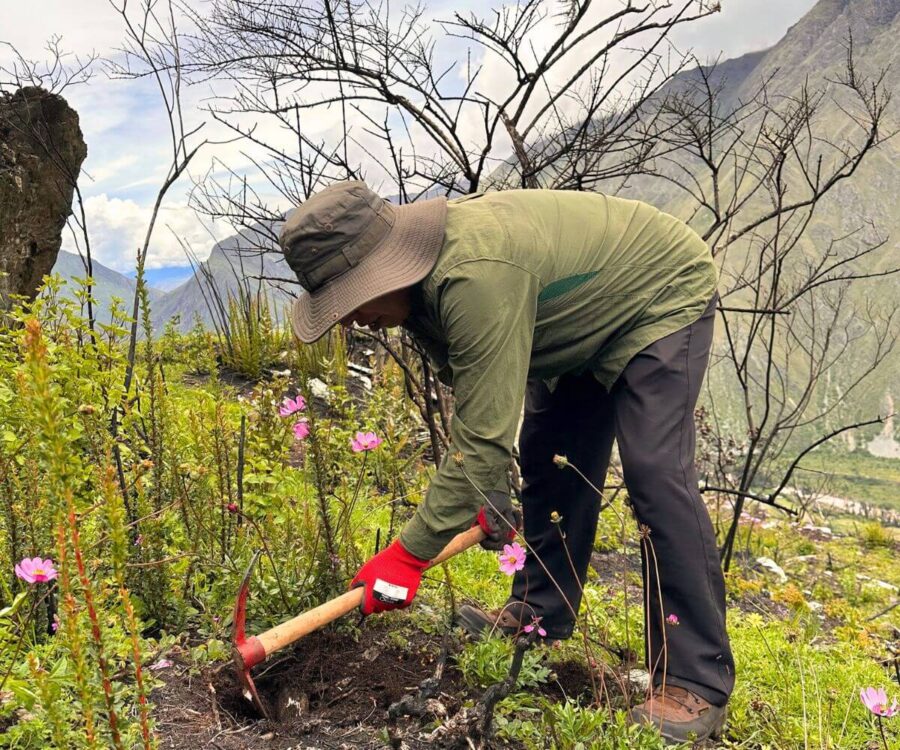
pixel 436 708
pixel 768 564
pixel 875 582
pixel 364 379
pixel 639 679
pixel 318 389
pixel 815 606
pixel 268 736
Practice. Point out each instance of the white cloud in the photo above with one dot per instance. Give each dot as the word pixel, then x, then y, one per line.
pixel 118 228
pixel 85 26
pixel 111 169
pixel 742 26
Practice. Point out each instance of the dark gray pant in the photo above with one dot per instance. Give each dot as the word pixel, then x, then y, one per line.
pixel 649 412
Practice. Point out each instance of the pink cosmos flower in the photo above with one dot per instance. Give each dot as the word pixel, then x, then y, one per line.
pixel 535 623
pixel 35 570
pixel 232 508
pixel 365 441
pixel 301 430
pixel 673 620
pixel 876 701
pixel 292 406
pixel 512 558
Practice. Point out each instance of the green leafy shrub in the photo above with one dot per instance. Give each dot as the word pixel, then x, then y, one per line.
pixel 568 726
pixel 325 359
pixel 487 662
pixel 874 535
pixel 250 337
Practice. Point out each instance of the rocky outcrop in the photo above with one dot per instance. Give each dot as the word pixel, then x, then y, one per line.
pixel 41 152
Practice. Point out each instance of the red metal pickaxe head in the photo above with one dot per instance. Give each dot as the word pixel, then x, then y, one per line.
pixel 247 652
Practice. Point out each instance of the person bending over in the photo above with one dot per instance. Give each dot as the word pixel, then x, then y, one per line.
pixel 596 313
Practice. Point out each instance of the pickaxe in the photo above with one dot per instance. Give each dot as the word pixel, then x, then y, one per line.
pixel 248 652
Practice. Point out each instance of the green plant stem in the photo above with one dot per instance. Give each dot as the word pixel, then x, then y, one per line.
pixel 19 645
pixel 319 471
pixel 344 518
pixel 57 723
pixel 451 594
pixel 74 637
pixel 144 711
pixel 112 716
pixel 265 544
pixel 587 647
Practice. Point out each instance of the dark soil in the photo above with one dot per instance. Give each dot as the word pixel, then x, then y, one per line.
pixel 613 567
pixel 330 692
pixel 762 604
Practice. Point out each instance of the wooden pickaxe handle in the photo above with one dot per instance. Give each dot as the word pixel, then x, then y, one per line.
pixel 254 650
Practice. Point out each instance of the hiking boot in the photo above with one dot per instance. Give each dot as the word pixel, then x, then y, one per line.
pixel 480 624
pixel 680 715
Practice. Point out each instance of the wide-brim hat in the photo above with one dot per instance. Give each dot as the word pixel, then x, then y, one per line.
pixel 348 246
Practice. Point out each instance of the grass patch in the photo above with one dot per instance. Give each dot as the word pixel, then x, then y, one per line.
pixel 855 476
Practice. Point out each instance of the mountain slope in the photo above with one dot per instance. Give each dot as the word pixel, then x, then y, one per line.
pixel 107 284
pixel 813 53
pixel 249 260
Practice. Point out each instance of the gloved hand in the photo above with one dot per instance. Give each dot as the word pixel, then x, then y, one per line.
pixel 391 579
pixel 499 520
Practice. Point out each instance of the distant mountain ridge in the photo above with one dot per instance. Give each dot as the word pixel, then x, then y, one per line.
pixel 107 284
pixel 250 259
pixel 814 51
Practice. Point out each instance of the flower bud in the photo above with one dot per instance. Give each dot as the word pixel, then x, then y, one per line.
pixel 561 461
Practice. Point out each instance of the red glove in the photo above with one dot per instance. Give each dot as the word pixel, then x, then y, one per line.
pixel 391 579
pixel 499 520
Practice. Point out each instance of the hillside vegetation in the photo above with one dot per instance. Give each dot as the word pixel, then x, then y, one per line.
pixel 150 530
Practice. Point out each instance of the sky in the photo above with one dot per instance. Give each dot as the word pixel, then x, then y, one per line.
pixel 126 131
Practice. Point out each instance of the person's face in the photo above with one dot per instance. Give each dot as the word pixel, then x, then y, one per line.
pixel 386 311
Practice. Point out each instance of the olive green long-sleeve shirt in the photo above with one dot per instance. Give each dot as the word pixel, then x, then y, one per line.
pixel 539 283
